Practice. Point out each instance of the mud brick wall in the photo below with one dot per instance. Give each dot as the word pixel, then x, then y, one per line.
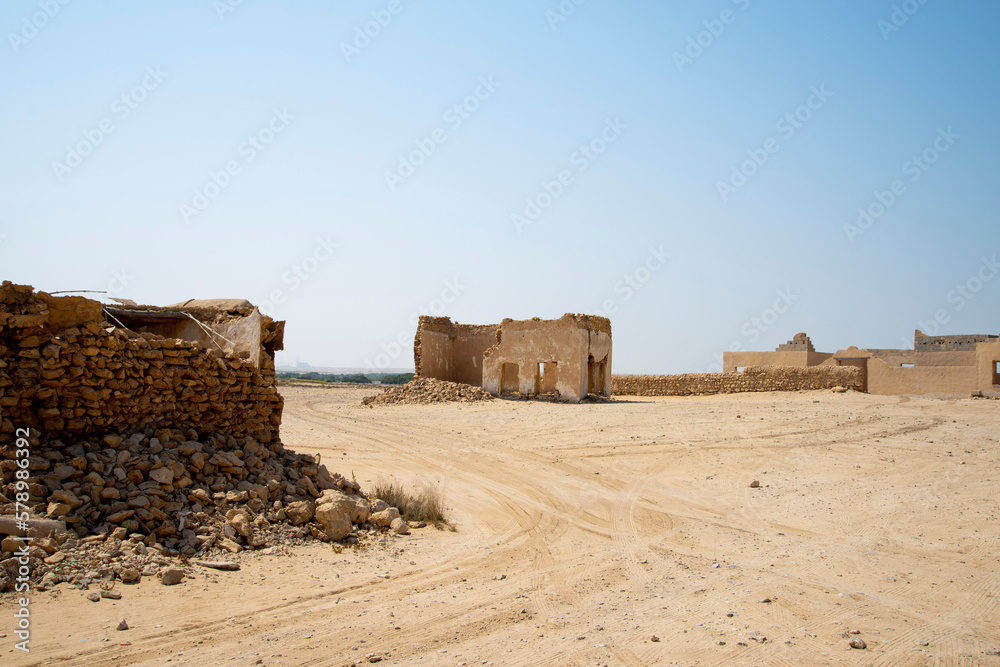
pixel 754 378
pixel 67 372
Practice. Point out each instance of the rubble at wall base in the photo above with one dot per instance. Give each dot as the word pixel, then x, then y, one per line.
pixel 423 390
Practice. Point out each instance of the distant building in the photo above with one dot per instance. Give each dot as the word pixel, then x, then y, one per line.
pixel 947 365
pixel 568 358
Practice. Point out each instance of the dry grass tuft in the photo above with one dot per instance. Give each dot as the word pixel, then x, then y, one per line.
pixel 426 504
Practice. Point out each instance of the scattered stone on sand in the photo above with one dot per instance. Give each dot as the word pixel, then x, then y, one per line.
pixel 129 575
pixel 172 576
pixel 424 390
pixel 218 564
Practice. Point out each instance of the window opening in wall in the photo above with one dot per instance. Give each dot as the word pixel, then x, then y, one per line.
pixel 996 372
pixel 740 369
pixel 906 365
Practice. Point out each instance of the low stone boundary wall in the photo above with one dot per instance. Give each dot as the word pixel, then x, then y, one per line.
pixel 753 378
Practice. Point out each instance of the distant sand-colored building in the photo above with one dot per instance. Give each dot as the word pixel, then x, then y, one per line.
pixel 569 357
pixel 945 365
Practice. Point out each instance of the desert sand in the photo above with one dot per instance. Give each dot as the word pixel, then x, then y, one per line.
pixel 620 533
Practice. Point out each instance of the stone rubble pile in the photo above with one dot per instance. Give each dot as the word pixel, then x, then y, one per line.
pixel 423 390
pixel 131 504
pixel 144 449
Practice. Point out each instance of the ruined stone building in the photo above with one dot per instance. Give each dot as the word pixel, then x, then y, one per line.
pixel 569 357
pixel 74 367
pixel 945 365
pixel 162 421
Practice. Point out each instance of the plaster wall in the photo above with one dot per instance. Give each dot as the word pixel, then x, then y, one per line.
pixel 945 358
pixel 987 358
pixel 919 380
pixel 575 351
pixel 564 353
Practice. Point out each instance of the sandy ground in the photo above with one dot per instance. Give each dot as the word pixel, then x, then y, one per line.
pixel 584 531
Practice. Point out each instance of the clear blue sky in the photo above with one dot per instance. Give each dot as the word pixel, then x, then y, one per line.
pixel 117 115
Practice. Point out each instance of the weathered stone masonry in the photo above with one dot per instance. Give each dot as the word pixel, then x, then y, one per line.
pixel 152 425
pixel 754 378
pixel 66 371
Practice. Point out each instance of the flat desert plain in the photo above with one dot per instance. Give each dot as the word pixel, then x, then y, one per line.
pixel 620 533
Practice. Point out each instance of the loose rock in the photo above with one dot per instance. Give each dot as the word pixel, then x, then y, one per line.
pixel 218 565
pixel 129 575
pixel 172 576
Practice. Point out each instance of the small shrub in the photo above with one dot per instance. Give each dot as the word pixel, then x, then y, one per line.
pixel 427 504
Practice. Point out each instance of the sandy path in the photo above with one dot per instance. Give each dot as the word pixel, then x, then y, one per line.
pixel 612 523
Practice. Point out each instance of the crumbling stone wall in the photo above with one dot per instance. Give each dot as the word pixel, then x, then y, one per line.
pixel 446 350
pixel 171 444
pixel 964 343
pixel 754 378
pixel 67 372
